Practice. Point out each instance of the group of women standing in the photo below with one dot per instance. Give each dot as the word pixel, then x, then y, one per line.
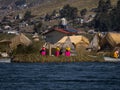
pixel 57 52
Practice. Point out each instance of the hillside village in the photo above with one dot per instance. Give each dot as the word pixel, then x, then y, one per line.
pixel 48 30
pixel 27 24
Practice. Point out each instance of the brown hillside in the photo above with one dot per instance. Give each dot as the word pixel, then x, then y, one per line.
pixel 57 4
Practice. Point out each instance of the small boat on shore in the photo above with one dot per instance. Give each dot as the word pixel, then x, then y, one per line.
pixel 110 59
pixel 5 60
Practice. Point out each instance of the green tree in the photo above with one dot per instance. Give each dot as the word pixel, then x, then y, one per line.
pixel 47 17
pixel 20 2
pixel 83 12
pixel 102 6
pixel 27 15
pixel 108 4
pixel 102 21
pixel 69 12
pixel 54 13
pixel 118 4
pixel 37 27
pixel 115 17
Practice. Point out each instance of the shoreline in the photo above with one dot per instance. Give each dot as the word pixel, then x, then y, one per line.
pixel 46 59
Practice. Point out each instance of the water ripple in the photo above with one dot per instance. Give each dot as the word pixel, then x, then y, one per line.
pixel 60 76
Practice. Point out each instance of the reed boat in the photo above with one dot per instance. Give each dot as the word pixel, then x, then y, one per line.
pixel 5 60
pixel 110 59
pixel 4 57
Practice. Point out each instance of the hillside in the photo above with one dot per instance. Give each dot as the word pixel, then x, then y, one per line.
pixel 56 5
pixel 40 7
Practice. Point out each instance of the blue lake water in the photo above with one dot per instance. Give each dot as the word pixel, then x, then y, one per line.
pixel 60 76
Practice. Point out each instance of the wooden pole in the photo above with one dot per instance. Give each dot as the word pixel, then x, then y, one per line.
pixel 50 49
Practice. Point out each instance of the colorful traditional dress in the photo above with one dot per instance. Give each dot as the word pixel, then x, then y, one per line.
pixel 67 52
pixel 57 53
pixel 43 51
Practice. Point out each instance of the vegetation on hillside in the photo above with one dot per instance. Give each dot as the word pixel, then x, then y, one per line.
pixel 107 17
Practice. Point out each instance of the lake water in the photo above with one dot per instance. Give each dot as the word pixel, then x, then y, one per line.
pixel 60 76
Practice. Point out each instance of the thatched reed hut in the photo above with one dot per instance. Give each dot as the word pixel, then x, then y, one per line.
pixel 76 40
pixel 20 39
pixel 95 43
pixel 111 40
pixel 5 41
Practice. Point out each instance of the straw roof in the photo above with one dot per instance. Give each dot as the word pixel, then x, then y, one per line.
pixel 113 38
pixel 5 41
pixel 109 41
pixel 75 39
pixel 20 39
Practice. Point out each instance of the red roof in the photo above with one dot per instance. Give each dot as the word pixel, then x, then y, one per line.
pixel 60 30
